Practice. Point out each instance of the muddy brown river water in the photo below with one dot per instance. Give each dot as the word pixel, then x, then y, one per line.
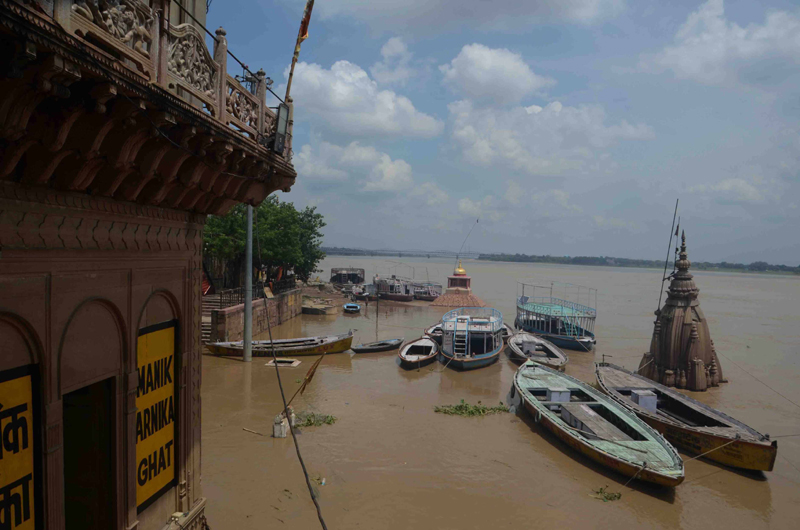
pixel 390 462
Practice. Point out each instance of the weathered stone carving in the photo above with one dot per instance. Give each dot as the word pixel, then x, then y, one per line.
pixel 128 21
pixel 240 107
pixel 681 337
pixel 190 61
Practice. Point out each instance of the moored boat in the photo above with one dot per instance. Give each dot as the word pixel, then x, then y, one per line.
pixel 418 353
pixel 508 331
pixel 472 337
pixel 378 346
pixel 435 332
pixel 394 288
pixel 525 346
pixel 352 308
pixel 563 321
pixel 428 292
pixel 287 347
pixel 318 309
pixel 597 426
pixel 687 423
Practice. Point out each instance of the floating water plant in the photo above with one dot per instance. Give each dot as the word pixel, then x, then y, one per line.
pixel 465 409
pixel 312 419
pixel 605 496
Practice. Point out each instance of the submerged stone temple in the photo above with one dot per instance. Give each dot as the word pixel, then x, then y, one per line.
pixel 682 353
pixel 459 291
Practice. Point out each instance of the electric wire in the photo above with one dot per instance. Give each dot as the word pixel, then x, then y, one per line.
pixel 283 396
pixel 291 428
pixel 244 66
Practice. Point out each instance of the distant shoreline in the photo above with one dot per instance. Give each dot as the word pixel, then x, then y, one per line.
pixel 758 267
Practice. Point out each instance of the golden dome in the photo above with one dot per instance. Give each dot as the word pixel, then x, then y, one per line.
pixel 459 270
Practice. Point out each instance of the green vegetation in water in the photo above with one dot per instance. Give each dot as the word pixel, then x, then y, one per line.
pixel 605 496
pixel 465 409
pixel 312 419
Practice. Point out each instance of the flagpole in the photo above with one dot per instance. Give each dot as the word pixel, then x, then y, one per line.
pixel 301 35
pixel 666 261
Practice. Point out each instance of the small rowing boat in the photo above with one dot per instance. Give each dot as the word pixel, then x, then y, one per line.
pixel 525 346
pixel 287 347
pixel 687 423
pixel 435 333
pixel 418 353
pixel 508 331
pixel 352 308
pixel 596 425
pixel 381 345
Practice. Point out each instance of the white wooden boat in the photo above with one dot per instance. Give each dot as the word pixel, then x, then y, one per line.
pixel 418 353
pixel 525 346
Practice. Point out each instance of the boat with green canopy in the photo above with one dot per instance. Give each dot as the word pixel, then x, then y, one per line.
pixel 597 426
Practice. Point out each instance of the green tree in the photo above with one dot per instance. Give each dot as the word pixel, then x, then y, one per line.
pixel 284 239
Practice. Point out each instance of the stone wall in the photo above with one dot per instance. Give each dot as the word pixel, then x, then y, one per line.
pixel 228 324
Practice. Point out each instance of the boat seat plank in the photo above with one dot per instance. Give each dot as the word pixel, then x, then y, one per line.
pixel 597 424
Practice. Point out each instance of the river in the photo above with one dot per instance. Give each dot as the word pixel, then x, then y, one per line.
pixel 390 462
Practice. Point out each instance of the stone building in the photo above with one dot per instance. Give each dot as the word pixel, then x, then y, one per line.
pixel 119 133
pixel 681 352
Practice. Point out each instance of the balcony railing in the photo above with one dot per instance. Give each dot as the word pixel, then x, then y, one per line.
pixel 176 59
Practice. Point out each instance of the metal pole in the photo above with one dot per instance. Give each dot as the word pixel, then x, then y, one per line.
pixel 248 289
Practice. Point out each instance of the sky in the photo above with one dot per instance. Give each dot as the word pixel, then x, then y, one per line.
pixel 567 127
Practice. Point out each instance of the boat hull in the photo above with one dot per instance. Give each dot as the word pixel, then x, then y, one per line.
pixel 385 346
pixel 413 365
pixel 318 310
pixel 415 361
pixel 605 460
pixel 741 454
pixel 518 358
pixel 236 349
pixel 562 341
pixel 470 363
pixel 426 297
pixel 397 297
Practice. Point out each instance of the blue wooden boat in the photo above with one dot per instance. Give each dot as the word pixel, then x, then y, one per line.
pixel 472 337
pixel 563 322
pixel 352 308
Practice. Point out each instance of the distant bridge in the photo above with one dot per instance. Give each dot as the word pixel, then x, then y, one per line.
pixel 339 251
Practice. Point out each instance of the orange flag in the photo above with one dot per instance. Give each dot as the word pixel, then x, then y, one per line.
pixel 306 21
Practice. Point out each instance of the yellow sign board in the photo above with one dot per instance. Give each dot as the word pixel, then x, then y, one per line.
pixel 156 415
pixel 18 476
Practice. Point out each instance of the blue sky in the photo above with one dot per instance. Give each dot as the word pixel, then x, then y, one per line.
pixel 568 126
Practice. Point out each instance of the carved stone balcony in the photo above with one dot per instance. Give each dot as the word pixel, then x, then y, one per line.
pixel 106 97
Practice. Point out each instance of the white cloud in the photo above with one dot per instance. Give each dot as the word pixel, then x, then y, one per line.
pixel 710 49
pixel 737 190
pixel 494 74
pixel 346 100
pixel 485 208
pixel 514 193
pixel 618 224
pixel 431 193
pixel 376 170
pixel 394 68
pixel 389 175
pixel 317 165
pixel 422 15
pixel 552 141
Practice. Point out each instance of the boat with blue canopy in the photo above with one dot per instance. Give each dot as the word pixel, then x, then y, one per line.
pixel 558 315
pixel 472 337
